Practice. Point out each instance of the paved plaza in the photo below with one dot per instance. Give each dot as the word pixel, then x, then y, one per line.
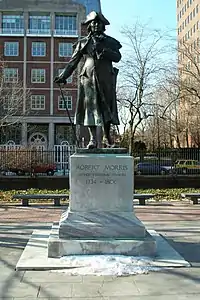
pixel 178 222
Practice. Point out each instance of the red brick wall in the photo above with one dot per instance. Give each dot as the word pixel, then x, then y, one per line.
pixel 56 48
pixel 45 66
pixel 45 112
pixel 56 94
pixel 16 65
pixel 21 48
pixel 38 58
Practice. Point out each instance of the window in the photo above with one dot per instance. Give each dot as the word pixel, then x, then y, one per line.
pixel 38 75
pixel 37 102
pixel 38 49
pixel 10 75
pixel 65 49
pixel 70 79
pixel 39 24
pixel 12 23
pixel 62 104
pixel 11 48
pixel 6 103
pixel 65 24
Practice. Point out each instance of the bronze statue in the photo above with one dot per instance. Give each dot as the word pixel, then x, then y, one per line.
pixel 96 103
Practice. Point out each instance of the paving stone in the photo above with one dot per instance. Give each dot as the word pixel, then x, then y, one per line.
pixel 31 298
pixel 46 276
pixel 158 297
pixel 180 225
pixel 53 290
pixel 90 278
pixel 92 289
pixel 123 287
pixel 166 284
pixel 18 289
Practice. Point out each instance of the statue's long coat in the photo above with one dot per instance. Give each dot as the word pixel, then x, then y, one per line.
pixel 96 103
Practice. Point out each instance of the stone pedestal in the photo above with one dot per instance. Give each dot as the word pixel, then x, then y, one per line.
pixel 100 218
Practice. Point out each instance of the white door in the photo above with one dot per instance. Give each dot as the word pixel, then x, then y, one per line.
pixel 38 141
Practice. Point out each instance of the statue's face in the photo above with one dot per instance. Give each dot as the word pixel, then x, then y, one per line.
pixel 97 26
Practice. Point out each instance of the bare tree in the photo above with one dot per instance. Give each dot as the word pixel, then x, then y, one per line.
pixel 142 69
pixel 12 98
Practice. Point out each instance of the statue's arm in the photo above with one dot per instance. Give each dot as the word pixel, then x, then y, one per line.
pixel 111 50
pixel 113 55
pixel 71 66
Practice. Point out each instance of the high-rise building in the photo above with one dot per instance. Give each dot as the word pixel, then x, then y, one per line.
pixel 188 32
pixel 90 5
pixel 36 39
pixel 188 20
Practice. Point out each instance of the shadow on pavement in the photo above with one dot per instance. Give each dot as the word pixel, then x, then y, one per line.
pixel 189 250
pixel 10 251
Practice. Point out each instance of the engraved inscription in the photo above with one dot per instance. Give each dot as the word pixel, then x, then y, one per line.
pixel 88 167
pixel 115 168
pixel 101 174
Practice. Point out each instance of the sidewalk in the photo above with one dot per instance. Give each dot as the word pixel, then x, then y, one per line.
pixel 178 222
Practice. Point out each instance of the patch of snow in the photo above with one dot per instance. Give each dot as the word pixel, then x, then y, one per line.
pixel 114 265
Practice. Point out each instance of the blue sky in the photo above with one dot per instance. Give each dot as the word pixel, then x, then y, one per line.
pixel 160 14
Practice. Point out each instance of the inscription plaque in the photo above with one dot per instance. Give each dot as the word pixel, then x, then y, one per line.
pixel 102 183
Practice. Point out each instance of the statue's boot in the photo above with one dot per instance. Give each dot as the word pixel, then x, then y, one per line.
pixel 108 145
pixel 92 144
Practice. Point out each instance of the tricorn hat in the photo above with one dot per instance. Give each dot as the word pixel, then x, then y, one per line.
pixel 94 15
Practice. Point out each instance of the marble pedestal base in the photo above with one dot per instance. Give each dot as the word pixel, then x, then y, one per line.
pixel 100 218
pixel 99 224
pixel 58 247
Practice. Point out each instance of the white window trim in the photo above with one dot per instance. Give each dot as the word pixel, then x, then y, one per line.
pixel 6 105
pixel 32 70
pixel 69 79
pixel 33 55
pixel 11 81
pixel 35 108
pixel 60 99
pixel 59 46
pixel 17 43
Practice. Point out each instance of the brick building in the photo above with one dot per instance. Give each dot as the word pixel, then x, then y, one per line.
pixel 188 37
pixel 36 39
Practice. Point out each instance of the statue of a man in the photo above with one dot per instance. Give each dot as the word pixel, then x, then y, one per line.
pixel 96 103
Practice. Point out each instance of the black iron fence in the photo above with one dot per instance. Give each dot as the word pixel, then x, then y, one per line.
pixel 32 162
pixel 183 161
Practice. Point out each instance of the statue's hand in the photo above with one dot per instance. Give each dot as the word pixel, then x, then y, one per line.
pixel 99 47
pixel 60 79
pixel 101 55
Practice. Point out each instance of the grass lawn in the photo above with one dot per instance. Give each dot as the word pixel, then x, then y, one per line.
pixel 161 194
pixel 6 196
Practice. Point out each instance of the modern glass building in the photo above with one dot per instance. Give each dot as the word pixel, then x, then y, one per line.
pixel 90 5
